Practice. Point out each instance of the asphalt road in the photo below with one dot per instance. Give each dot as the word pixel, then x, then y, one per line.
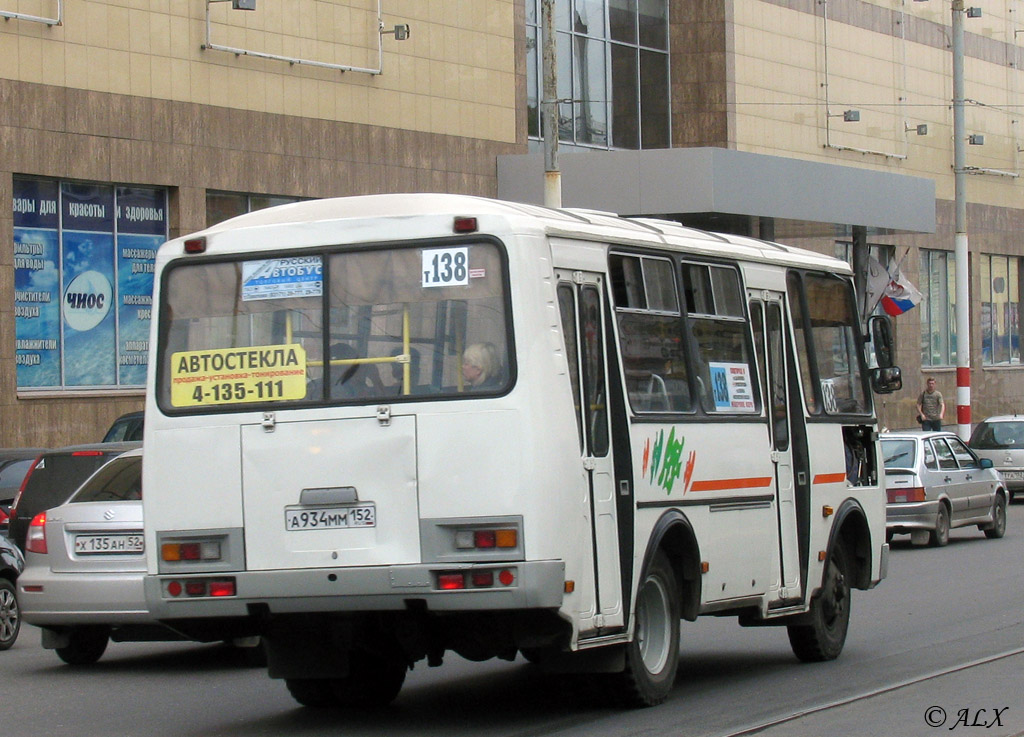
pixel 936 643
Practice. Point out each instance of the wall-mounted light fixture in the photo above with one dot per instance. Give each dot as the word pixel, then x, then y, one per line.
pixel 848 116
pixel 243 4
pixel 921 128
pixel 976 139
pixel 973 12
pixel 401 32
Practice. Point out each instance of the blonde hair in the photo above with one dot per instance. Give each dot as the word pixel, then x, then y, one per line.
pixel 485 357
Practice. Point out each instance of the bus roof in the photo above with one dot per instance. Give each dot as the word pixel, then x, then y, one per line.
pixel 567 223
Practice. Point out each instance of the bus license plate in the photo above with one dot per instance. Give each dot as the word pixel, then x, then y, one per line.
pixel 103 544
pixel 330 518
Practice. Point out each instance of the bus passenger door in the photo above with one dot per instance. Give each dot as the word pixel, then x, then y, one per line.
pixel 582 308
pixel 789 456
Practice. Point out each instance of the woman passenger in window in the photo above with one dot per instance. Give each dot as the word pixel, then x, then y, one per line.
pixel 481 367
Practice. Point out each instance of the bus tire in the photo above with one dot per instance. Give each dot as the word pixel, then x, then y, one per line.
pixel 823 638
pixel 86 645
pixel 653 655
pixel 372 682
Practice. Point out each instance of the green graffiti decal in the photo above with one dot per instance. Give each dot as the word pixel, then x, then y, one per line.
pixel 673 462
pixel 671 452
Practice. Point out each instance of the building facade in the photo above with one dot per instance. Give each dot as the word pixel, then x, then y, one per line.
pixel 823 124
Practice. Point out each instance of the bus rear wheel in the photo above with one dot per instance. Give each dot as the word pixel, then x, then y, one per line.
pixel 372 682
pixel 823 638
pixel 653 656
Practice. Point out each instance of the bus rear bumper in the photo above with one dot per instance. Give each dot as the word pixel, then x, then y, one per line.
pixel 533 585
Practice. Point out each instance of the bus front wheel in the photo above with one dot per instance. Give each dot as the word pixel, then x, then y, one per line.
pixel 823 638
pixel 653 655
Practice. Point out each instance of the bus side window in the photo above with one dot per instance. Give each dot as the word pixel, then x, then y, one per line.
pixel 724 366
pixel 651 333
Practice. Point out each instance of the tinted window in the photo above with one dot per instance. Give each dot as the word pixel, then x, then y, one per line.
pixel 14 473
pixel 998 435
pixel 118 481
pixel 898 453
pixel 55 479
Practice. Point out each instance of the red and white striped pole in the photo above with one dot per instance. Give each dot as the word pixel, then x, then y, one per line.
pixel 961 253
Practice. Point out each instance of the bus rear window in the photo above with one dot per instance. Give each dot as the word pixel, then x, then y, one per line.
pixel 336 328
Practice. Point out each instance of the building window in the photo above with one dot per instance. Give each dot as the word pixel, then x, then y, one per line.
pixel 84 255
pixel 612 64
pixel 938 309
pixel 1000 310
pixel 221 206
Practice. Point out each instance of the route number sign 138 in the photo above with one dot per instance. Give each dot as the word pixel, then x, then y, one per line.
pixel 446 267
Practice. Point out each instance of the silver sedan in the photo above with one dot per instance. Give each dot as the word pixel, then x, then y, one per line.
pixel 934 482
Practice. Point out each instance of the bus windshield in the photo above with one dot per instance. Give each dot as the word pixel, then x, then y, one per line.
pixel 392 323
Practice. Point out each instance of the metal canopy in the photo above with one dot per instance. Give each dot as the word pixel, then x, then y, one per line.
pixel 718 180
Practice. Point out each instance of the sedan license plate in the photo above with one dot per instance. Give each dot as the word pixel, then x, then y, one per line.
pixel 330 518
pixel 1013 475
pixel 108 544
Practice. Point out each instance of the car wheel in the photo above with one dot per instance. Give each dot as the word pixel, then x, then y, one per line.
pixel 997 528
pixel 10 615
pixel 652 658
pixel 85 645
pixel 939 537
pixel 823 638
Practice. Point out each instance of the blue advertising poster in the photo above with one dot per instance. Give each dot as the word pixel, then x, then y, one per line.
pixel 141 228
pixel 87 283
pixel 36 283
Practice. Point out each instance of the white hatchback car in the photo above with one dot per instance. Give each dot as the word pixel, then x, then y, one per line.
pixel 1001 440
pixel 935 482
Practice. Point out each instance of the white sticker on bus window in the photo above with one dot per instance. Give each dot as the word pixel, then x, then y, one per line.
pixel 828 394
pixel 282 278
pixel 731 387
pixel 446 267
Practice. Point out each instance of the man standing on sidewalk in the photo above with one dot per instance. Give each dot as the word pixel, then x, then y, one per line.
pixel 931 408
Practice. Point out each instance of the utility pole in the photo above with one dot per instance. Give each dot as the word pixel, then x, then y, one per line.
pixel 549 106
pixel 961 252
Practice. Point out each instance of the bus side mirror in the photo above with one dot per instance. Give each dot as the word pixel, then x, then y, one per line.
pixel 886 380
pixel 880 331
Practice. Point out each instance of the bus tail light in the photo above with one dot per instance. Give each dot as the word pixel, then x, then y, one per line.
pixel 486 539
pixel 196 588
pixel 477 578
pixel 194 550
pixel 35 539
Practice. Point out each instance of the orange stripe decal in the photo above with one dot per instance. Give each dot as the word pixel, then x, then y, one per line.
pixel 724 484
pixel 830 478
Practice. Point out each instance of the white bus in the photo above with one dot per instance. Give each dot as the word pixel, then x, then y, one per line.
pixel 381 428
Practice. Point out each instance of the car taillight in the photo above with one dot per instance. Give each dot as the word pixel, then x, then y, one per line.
pixel 35 539
pixel 3 516
pixel 902 496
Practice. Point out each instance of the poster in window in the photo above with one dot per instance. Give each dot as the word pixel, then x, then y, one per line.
pixel 36 283
pixel 141 228
pixel 88 286
pixel 731 387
